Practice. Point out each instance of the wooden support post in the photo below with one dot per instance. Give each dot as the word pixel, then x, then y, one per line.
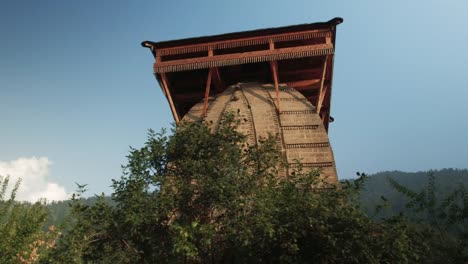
pixel 208 86
pixel 272 44
pixel 323 88
pixel 321 98
pixel 274 70
pixel 217 81
pixel 304 83
pixel 207 93
pixel 169 97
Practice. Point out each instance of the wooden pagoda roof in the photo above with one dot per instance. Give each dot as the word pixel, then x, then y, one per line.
pixel 300 56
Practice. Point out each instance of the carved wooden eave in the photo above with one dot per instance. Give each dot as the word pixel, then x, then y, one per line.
pixel 301 56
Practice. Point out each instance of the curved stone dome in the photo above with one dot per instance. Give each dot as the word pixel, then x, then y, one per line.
pixel 302 135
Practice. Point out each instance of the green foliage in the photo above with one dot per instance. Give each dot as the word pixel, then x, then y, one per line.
pixel 433 203
pixel 22 239
pixel 442 219
pixel 202 197
pixel 58 211
pixel 378 185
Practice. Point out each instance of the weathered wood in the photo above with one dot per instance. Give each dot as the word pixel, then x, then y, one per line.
pixel 243 58
pixel 217 80
pixel 207 94
pixel 169 97
pixel 328 100
pixel 309 34
pixel 274 70
pixel 323 89
pixel 321 98
pixel 288 55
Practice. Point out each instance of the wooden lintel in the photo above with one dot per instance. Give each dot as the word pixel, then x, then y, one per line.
pixel 207 93
pixel 169 97
pixel 274 70
pixel 244 57
pixel 323 89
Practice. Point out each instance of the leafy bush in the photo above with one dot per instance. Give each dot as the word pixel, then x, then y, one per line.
pixel 202 197
pixel 22 239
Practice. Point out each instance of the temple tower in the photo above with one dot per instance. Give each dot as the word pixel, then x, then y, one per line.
pixel 278 79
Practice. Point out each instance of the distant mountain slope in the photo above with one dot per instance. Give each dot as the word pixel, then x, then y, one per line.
pixel 59 210
pixel 378 185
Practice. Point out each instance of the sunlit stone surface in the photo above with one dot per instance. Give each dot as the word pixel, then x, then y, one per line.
pixel 300 131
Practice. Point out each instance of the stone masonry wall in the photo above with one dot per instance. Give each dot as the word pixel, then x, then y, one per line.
pixel 300 131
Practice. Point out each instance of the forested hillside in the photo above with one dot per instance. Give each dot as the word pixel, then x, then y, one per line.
pixel 59 210
pixel 378 185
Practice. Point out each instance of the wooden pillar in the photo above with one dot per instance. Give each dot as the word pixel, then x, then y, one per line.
pixel 323 87
pixel 274 70
pixel 208 86
pixel 169 97
pixel 207 93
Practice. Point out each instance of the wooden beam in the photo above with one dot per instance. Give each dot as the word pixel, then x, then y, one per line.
pixel 218 82
pixel 328 100
pixel 323 89
pixel 207 94
pixel 312 73
pixel 274 70
pixel 321 98
pixel 311 85
pixel 303 83
pixel 169 97
pixel 243 58
pixel 271 44
pixel 309 90
pixel 246 41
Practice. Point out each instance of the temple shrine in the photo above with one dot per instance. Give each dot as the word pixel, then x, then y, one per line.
pixel 278 79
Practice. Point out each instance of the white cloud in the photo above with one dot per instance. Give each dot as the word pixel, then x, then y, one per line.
pixel 34 179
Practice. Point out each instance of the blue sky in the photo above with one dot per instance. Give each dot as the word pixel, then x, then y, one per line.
pixel 76 87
